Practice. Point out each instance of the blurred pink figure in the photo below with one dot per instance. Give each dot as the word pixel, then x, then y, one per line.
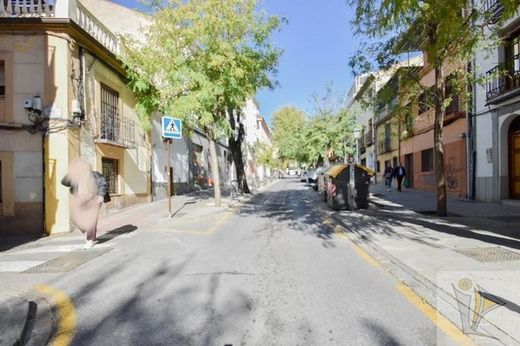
pixel 85 201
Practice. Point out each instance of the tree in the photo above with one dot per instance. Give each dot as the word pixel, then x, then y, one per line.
pixel 201 60
pixel 448 31
pixel 330 129
pixel 288 133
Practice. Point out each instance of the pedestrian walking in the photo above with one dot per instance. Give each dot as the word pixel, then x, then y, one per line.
pixel 89 190
pixel 400 174
pixel 388 174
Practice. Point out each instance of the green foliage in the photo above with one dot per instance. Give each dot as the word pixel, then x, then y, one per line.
pixel 201 58
pixel 288 130
pixel 264 155
pixel 309 140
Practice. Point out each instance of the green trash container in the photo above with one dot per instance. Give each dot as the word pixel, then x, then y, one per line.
pixel 337 184
pixel 361 193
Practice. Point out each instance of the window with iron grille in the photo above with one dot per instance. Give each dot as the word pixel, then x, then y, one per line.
pixel 110 122
pixel 450 91
pixel 110 168
pixel 427 160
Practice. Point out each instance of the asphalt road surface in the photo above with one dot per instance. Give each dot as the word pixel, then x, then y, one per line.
pixel 273 272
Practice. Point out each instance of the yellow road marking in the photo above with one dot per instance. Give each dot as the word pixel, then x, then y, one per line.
pixel 364 255
pixel 66 315
pixel 440 321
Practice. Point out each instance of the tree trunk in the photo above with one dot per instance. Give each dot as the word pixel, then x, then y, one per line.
pixel 214 168
pixel 438 151
pixel 236 151
pixel 235 146
pixel 326 158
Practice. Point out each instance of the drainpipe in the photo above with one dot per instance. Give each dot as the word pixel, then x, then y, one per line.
pixel 471 137
pixel 44 226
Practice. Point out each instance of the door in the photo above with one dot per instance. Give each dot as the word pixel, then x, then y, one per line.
pixel 408 166
pixel 1 207
pixel 514 159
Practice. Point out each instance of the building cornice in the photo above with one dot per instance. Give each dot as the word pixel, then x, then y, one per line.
pixel 66 26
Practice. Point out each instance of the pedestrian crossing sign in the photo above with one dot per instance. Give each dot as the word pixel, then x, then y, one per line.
pixel 171 128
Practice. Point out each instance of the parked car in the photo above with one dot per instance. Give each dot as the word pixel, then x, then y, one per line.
pixel 303 176
pixel 310 175
pixel 313 178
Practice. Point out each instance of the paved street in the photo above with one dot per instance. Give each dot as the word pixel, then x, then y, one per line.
pixel 274 270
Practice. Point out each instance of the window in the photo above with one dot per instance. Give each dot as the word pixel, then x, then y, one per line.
pixel 427 160
pixel 449 90
pixel 378 166
pixel 110 168
pixel 2 92
pixel 110 124
pixel 423 103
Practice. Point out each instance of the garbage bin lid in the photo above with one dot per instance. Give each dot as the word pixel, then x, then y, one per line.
pixel 335 170
pixel 367 170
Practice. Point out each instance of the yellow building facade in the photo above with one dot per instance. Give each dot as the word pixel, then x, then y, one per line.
pixel 63 60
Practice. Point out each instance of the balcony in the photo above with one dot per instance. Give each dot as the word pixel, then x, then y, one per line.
pixel 369 138
pixel 71 9
pixel 454 106
pixel 503 80
pixel 115 129
pixel 494 8
pixel 24 8
pixel 384 146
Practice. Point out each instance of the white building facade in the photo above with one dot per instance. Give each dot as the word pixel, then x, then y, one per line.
pixel 494 127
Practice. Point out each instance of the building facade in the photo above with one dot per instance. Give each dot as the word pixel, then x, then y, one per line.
pixel 416 153
pixel 257 134
pixel 64 97
pixel 189 160
pixel 495 122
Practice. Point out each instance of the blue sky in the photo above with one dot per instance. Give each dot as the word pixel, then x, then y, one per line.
pixel 317 42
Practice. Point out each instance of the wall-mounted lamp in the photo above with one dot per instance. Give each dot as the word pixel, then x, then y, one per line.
pixel 34 109
pixel 77 113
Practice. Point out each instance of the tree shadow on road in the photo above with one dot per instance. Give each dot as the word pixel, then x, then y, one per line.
pixel 295 212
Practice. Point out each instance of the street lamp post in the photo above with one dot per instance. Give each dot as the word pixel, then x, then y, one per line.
pixel 356 133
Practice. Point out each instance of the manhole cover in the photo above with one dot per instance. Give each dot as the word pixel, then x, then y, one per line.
pixel 68 261
pixel 490 254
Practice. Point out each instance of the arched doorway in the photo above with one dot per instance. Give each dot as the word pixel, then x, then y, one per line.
pixel 514 159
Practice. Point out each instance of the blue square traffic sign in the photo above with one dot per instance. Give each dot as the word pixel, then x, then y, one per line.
pixel 171 128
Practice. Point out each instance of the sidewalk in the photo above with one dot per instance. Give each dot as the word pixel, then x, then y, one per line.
pixel 465 263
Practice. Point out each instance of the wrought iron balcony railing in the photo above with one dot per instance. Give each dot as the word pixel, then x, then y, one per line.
pixel 384 146
pixel 369 138
pixel 454 106
pixel 503 78
pixel 494 8
pixel 115 129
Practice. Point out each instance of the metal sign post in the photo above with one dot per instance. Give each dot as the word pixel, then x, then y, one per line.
pixel 169 144
pixel 171 129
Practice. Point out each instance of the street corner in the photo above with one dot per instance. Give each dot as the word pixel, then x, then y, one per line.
pixel 26 318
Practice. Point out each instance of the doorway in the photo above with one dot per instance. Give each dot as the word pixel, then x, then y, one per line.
pixel 408 166
pixel 514 159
